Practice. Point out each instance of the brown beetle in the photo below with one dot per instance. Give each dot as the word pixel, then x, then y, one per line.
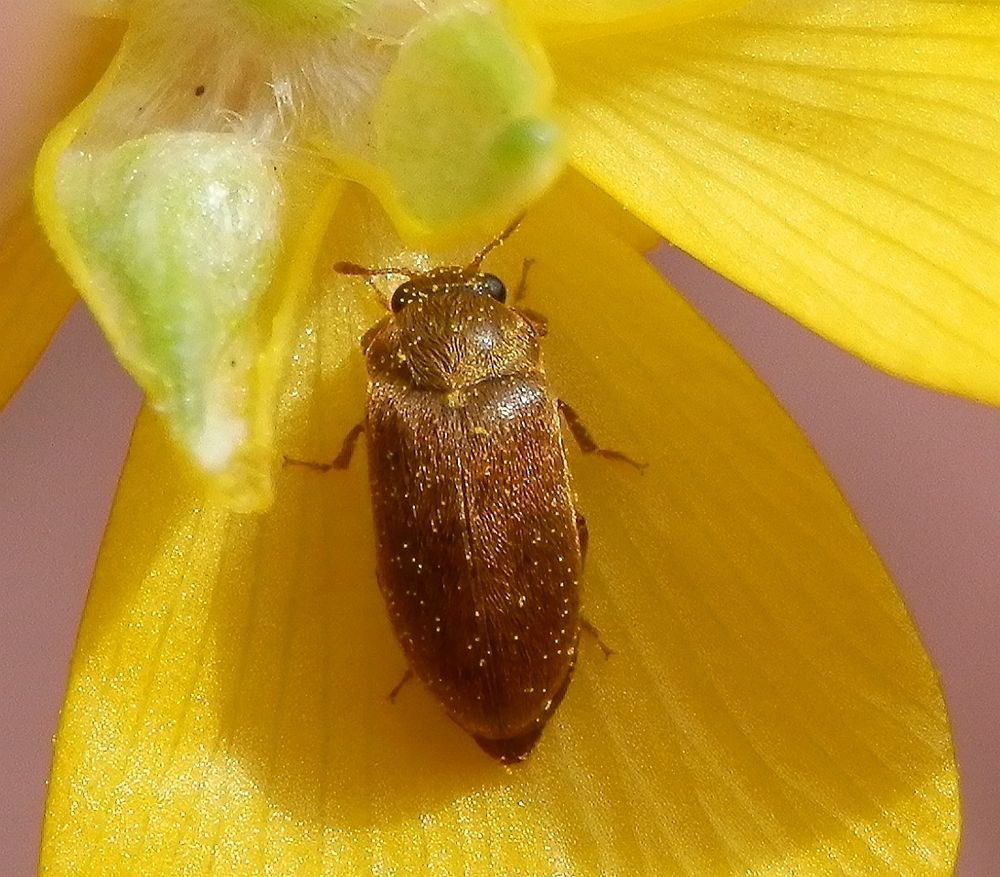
pixel 479 545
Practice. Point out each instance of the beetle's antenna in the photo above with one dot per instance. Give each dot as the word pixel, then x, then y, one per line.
pixel 354 268
pixel 493 244
pixel 370 274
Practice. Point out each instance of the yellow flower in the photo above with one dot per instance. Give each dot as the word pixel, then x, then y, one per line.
pixel 769 709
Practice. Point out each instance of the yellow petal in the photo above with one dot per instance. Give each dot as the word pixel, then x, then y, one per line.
pixel 34 291
pixel 578 19
pixel 604 211
pixel 35 295
pixel 839 159
pixel 118 9
pixel 768 710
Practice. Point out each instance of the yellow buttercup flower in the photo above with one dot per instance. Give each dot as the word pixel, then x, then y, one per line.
pixel 769 708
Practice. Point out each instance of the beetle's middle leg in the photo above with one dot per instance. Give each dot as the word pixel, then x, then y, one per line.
pixel 586 441
pixel 341 461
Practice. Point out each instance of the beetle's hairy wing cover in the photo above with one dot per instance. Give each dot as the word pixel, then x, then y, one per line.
pixel 478 552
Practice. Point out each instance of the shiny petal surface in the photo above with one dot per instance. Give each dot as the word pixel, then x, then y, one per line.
pixel 838 159
pixel 35 295
pixel 768 708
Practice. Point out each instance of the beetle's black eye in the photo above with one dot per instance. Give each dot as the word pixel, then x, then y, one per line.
pixel 494 288
pixel 406 293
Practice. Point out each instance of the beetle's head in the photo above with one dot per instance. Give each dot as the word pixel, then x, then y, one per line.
pixel 449 279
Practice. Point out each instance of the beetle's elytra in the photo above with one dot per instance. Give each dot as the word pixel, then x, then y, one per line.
pixel 479 545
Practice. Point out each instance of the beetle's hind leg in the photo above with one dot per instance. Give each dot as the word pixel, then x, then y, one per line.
pixel 586 441
pixel 583 536
pixel 407 676
pixel 587 627
pixel 341 461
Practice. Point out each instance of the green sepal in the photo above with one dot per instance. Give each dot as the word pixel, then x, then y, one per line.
pixel 180 232
pixel 462 124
